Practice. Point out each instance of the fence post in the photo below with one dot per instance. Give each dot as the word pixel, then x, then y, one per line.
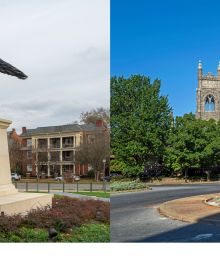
pixel 26 186
pixel 48 187
pixel 63 187
pixel 91 187
pixel 37 186
pixel 77 186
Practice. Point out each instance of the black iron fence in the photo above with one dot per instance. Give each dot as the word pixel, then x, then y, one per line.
pixel 60 187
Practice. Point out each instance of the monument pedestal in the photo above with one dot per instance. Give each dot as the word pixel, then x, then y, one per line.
pixel 11 201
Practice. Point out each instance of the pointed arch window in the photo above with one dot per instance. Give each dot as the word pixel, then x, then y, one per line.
pixel 209 103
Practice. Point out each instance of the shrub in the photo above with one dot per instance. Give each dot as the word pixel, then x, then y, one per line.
pixel 129 185
pixel 65 214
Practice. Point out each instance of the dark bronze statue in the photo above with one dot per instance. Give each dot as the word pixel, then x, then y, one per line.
pixel 8 69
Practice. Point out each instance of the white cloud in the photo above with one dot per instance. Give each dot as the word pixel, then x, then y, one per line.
pixel 63 46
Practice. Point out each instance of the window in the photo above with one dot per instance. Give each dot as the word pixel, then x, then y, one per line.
pixel 29 154
pixel 29 143
pixel 209 103
pixel 29 168
pixel 91 139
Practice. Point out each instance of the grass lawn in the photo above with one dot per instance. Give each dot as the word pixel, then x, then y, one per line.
pixel 97 194
pixel 85 233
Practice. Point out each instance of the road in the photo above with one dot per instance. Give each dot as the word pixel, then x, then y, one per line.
pixel 134 217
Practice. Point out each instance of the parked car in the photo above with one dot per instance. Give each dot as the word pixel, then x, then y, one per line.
pixel 112 175
pixel 106 178
pixel 76 178
pixel 59 178
pixel 15 177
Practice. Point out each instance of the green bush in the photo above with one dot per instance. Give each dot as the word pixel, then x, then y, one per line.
pixel 91 174
pixel 129 185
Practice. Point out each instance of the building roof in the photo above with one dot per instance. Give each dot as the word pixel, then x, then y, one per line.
pixel 59 129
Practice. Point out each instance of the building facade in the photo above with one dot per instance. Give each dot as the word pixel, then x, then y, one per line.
pixel 208 95
pixel 51 151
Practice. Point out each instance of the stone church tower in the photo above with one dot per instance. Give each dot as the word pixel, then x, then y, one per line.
pixel 208 95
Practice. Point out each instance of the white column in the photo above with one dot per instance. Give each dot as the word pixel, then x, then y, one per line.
pixel 48 157
pixel 6 186
pixel 61 162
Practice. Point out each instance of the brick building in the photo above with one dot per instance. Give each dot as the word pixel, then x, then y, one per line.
pixel 208 95
pixel 50 151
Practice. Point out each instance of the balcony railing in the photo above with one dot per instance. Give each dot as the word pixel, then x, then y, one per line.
pixel 67 145
pixel 42 146
pixel 68 159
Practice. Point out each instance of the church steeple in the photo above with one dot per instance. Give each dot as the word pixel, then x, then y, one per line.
pixel 208 95
pixel 200 69
pixel 199 73
pixel 219 69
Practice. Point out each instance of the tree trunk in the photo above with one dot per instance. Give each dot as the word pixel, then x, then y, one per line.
pixel 186 174
pixel 208 175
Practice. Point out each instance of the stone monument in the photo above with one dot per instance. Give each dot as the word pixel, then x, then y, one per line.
pixel 11 201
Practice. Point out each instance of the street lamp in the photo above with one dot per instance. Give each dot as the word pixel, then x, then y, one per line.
pixel 104 162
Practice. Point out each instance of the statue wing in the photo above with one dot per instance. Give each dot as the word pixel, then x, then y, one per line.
pixel 8 69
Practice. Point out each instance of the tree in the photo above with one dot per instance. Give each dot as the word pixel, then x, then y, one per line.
pixel 93 151
pixel 140 122
pixel 193 143
pixel 94 115
pixel 15 156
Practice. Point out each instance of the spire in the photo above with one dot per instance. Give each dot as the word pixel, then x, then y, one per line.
pixel 199 72
pixel 219 69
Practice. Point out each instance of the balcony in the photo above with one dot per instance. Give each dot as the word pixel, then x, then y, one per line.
pixel 55 143
pixel 67 142
pixel 68 156
pixel 42 144
pixel 55 156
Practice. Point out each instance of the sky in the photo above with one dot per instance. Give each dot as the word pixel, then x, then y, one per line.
pixel 64 48
pixel 165 40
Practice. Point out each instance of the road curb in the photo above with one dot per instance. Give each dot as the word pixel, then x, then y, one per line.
pixel 172 209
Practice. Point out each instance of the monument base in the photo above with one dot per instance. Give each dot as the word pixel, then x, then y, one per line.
pixel 22 203
pixel 7 189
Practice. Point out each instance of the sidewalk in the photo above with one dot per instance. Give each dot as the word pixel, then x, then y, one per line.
pixel 192 209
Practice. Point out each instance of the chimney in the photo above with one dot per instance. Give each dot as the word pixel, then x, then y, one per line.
pixel 24 129
pixel 99 123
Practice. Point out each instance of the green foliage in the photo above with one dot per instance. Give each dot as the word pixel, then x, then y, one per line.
pixel 25 235
pixel 129 185
pixel 117 165
pixel 140 122
pixel 85 233
pixel 193 143
pixel 91 174
pixel 88 233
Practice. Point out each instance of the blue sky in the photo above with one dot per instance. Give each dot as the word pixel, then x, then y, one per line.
pixel 165 40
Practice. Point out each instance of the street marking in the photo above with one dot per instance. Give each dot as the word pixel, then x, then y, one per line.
pixel 202 236
pixel 163 218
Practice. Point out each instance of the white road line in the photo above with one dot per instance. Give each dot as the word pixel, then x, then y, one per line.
pixel 202 236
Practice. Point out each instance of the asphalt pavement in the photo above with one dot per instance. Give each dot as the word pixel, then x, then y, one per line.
pixel 135 218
